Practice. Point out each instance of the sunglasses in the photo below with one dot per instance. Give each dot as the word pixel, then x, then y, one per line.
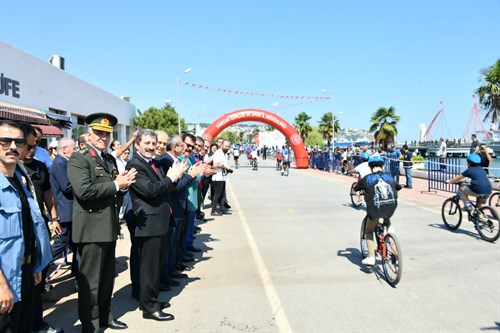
pixel 7 142
pixel 189 146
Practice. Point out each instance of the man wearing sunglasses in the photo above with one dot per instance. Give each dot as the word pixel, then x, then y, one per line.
pixel 38 175
pixel 25 243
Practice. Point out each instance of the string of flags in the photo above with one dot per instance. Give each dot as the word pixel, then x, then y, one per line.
pixel 239 92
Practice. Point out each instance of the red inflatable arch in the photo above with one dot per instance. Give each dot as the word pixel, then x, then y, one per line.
pixel 238 116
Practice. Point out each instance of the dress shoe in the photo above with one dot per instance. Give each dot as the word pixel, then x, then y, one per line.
pixel 188 254
pixel 226 212
pixel 216 213
pixel 201 218
pixel 158 315
pixel 164 287
pixel 187 259
pixel 197 228
pixel 177 275
pixel 191 248
pixel 116 325
pixel 226 205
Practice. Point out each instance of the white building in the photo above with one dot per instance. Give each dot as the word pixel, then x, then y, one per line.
pixel 44 94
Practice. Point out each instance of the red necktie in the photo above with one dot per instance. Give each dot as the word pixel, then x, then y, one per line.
pixel 153 166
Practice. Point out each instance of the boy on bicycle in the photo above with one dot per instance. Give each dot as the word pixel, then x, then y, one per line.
pixel 381 199
pixel 279 157
pixel 362 170
pixel 479 187
pixel 286 160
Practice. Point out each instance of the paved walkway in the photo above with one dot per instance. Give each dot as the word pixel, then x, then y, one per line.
pixel 64 312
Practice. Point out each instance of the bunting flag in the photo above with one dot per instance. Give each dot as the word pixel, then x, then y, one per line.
pixel 238 92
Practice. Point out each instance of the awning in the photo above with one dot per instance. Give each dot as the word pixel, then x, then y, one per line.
pixel 49 130
pixel 22 113
pixel 59 117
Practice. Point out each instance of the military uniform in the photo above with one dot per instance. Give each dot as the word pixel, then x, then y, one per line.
pixel 95 227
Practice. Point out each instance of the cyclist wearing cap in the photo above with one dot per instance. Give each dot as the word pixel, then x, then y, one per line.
pixel 479 187
pixel 381 200
pixel 362 169
pixel 286 159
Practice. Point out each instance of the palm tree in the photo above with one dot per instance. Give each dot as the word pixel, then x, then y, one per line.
pixel 302 126
pixel 489 92
pixel 327 126
pixel 336 126
pixel 383 126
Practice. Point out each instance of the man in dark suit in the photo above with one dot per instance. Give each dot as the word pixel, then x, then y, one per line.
pixel 63 196
pixel 177 199
pixel 151 211
pixel 97 189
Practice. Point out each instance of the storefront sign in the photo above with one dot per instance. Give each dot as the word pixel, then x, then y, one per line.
pixel 9 87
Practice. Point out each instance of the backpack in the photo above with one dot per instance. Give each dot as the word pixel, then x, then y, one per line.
pixel 381 195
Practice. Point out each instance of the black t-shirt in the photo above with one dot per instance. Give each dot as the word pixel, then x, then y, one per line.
pixel 28 233
pixel 381 194
pixel 40 177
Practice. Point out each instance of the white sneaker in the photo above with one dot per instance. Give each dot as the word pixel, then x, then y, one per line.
pixel 369 261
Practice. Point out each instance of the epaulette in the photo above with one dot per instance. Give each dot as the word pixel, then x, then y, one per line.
pixel 84 151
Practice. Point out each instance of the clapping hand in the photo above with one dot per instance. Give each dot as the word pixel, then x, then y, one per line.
pixel 195 170
pixel 176 171
pixel 125 179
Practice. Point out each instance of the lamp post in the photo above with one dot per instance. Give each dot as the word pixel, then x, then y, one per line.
pixel 187 70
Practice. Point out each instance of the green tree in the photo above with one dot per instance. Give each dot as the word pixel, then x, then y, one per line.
pixel 165 119
pixel 232 137
pixel 302 125
pixel 315 138
pixel 489 92
pixel 384 122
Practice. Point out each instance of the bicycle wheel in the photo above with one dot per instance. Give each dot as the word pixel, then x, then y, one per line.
pixel 362 239
pixel 488 223
pixel 356 202
pixel 494 200
pixel 393 260
pixel 451 213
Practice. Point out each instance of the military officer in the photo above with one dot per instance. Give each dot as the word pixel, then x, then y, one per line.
pixel 97 188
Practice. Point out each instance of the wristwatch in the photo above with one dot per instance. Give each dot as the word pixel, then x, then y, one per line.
pixel 56 219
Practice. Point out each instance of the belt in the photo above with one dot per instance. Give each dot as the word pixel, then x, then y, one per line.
pixel 26 259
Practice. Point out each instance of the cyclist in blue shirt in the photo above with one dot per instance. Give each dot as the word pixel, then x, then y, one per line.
pixel 286 159
pixel 479 187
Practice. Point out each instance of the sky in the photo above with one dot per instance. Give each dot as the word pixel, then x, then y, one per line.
pixel 416 56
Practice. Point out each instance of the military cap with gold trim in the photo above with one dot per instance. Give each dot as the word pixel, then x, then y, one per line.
pixel 101 121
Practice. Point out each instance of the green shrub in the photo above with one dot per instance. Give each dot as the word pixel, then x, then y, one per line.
pixel 417 159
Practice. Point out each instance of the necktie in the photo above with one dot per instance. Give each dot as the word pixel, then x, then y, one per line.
pixel 153 166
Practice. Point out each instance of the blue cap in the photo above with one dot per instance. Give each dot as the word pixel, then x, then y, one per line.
pixel 375 158
pixel 474 158
pixel 365 156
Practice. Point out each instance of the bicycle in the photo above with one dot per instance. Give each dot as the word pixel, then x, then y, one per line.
pixel 255 164
pixel 494 200
pixel 357 198
pixel 485 218
pixel 387 248
pixel 285 169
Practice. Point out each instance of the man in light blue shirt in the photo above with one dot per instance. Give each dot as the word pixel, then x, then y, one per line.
pixel 24 239
pixel 41 153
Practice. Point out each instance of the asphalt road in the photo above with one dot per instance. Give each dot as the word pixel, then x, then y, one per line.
pixel 288 259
